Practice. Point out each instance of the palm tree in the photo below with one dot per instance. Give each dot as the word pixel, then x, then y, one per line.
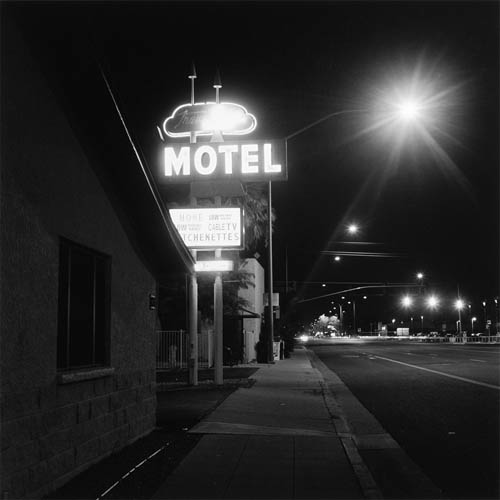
pixel 255 205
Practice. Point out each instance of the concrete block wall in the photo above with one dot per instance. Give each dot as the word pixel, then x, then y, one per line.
pixel 51 433
pixel 54 427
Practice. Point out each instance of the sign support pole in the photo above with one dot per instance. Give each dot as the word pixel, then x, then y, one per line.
pixel 218 331
pixel 193 330
pixel 218 318
pixel 270 316
pixel 193 305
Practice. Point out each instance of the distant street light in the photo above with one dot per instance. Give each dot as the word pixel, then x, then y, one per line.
pixel 406 301
pixel 422 320
pixel 420 278
pixel 496 316
pixel 484 313
pixel 459 304
pixel 352 229
pixel 432 302
pixel 472 320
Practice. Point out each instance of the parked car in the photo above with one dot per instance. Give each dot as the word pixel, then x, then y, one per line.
pixel 433 337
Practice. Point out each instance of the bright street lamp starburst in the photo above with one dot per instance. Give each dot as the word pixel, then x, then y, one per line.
pixel 417 111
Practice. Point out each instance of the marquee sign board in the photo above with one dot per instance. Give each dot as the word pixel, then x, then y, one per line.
pixel 247 161
pixel 209 228
pixel 210 266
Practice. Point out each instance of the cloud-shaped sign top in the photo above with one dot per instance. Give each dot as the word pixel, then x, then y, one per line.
pixel 209 118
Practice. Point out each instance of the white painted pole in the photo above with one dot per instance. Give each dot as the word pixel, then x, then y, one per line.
pixel 218 331
pixel 193 330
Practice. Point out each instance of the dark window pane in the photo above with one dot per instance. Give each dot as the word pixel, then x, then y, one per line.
pixel 62 326
pixel 81 322
pixel 100 312
pixel 84 288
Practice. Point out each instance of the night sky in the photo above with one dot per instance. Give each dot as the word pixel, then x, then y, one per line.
pixel 291 63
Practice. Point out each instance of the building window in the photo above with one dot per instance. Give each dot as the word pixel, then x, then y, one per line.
pixel 84 303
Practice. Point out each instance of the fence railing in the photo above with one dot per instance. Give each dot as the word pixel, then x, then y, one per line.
pixel 173 349
pixel 457 339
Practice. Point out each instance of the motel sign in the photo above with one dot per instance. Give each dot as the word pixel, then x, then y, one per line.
pixel 247 161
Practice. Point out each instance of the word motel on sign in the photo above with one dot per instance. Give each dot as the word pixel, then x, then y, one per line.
pixel 220 160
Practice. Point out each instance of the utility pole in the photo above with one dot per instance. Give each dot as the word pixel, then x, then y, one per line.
pixel 354 315
pixel 270 313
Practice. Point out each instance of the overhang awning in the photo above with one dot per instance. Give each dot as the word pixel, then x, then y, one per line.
pixel 245 314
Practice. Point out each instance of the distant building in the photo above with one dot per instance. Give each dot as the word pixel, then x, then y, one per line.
pixel 83 249
pixel 255 296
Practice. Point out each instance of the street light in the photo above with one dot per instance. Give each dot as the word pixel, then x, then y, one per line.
pixel 432 302
pixel 496 316
pixel 459 304
pixel 472 320
pixel 484 313
pixel 406 301
pixel 352 228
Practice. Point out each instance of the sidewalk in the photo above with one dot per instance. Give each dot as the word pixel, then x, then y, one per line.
pixel 287 436
pixel 273 440
pixel 286 430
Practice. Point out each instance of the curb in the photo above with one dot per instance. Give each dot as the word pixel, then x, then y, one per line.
pixel 408 472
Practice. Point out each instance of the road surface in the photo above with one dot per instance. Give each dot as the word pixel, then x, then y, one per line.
pixel 439 401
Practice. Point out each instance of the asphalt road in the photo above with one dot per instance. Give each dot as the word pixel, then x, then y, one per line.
pixel 441 402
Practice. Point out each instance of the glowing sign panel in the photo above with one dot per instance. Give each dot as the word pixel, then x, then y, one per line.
pixel 204 228
pixel 206 118
pixel 213 266
pixel 247 160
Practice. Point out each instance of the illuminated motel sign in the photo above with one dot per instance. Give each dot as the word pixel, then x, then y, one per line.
pixel 209 228
pixel 247 161
pixel 205 117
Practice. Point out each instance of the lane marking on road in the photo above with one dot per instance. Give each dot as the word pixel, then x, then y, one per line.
pixel 456 377
pixel 478 360
pixel 487 349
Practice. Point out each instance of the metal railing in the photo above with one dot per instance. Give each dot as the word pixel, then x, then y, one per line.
pixel 457 339
pixel 460 339
pixel 173 349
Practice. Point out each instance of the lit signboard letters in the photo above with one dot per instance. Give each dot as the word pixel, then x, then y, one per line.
pixel 247 161
pixel 205 228
pixel 213 266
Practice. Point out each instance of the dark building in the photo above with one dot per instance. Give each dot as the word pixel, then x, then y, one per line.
pixel 84 247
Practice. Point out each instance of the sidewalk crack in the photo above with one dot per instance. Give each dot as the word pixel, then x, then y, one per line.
pixel 236 465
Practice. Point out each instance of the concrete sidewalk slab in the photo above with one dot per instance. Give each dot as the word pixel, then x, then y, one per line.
pixel 275 439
